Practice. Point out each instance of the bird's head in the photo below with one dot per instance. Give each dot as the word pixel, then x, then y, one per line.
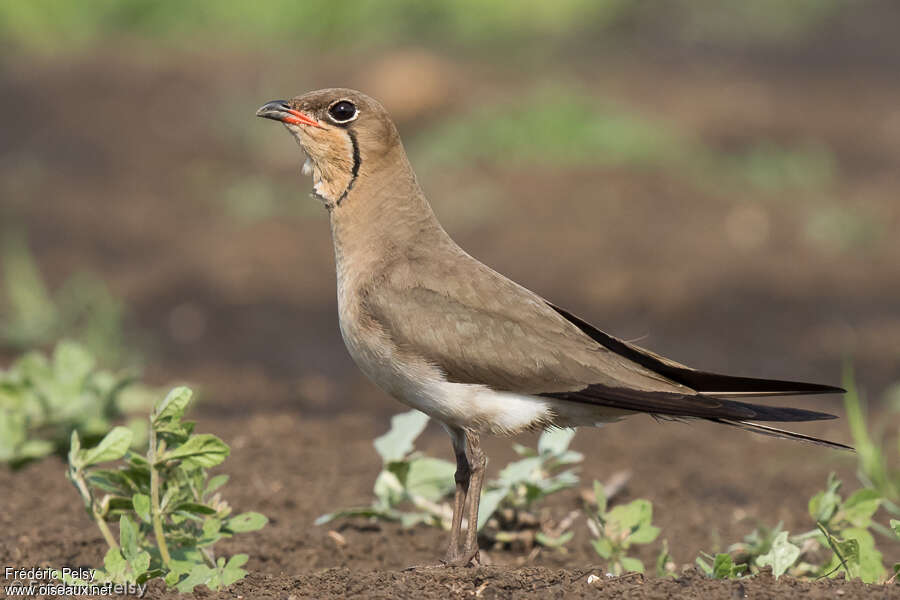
pixel 344 134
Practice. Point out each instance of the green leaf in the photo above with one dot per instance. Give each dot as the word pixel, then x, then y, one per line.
pixel 895 525
pixel 411 519
pixel 141 504
pixel 112 447
pixel 430 478
pixel 388 489
pixel 870 560
pixel 823 505
pixel 74 443
pixel 490 501
pixel 631 565
pixel 603 547
pixel 173 405
pixel 71 363
pixel 782 555
pixel 128 537
pixel 704 566
pixel 116 481
pixel 199 575
pixel 860 506
pixel 119 503
pixel 237 561
pixel 148 575
pixel 195 508
pixel 398 442
pixel 139 563
pixel 555 441
pixel 600 497
pixel 232 571
pixel 635 517
pixel 214 484
pixel 663 560
pixel 363 511
pixel 553 542
pixel 519 471
pixel 204 450
pixel 724 567
pixel 211 528
pixel 569 457
pixel 35 449
pixel 400 469
pixel 114 564
pixel 248 521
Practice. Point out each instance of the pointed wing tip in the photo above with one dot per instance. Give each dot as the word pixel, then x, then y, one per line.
pixel 831 389
pixel 784 434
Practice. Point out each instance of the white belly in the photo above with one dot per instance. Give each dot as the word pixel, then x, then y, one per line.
pixel 470 406
pixel 421 385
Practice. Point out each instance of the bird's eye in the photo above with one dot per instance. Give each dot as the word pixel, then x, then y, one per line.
pixel 342 111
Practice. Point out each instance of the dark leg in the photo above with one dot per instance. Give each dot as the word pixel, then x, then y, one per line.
pixel 462 477
pixel 477 463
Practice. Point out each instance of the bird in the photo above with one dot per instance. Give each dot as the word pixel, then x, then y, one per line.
pixel 447 335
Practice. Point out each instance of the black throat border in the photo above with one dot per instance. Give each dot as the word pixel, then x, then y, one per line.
pixel 357 161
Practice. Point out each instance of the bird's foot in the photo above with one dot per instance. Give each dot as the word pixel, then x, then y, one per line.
pixel 462 558
pixel 428 567
pixel 458 559
pixel 451 559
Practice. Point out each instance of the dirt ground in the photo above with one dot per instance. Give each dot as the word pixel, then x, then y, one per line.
pixel 121 163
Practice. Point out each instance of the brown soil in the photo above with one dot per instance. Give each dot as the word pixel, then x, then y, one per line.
pixel 107 169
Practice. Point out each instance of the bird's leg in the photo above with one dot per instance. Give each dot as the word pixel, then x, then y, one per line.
pixel 462 478
pixel 477 463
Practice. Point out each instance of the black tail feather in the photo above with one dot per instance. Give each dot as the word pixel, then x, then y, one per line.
pixel 783 434
pixel 712 384
pixel 762 412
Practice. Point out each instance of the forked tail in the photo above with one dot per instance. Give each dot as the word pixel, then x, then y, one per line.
pixel 782 433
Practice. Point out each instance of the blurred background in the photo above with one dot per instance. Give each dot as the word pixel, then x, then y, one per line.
pixel 716 180
pixel 719 180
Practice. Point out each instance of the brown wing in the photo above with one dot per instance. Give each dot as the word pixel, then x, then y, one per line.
pixel 479 327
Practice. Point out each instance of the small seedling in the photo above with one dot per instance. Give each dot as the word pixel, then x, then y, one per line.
pixel 619 528
pixel 169 511
pixel 665 564
pixel 407 478
pixel 842 533
pixel 507 510
pixel 763 546
pixel 843 526
pixel 43 400
pixel 874 469
pixel 412 488
pixel 720 566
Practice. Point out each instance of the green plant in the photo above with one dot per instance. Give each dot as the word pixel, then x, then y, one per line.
pixel 43 400
pixel 422 483
pixel 873 468
pixel 616 530
pixel 82 309
pixel 169 511
pixel 665 564
pixel 407 478
pixel 841 542
pixel 507 510
pixel 843 526
pixel 761 547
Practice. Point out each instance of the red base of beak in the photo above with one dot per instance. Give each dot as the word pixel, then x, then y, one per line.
pixel 280 110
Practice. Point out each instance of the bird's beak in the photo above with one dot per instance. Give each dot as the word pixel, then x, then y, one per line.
pixel 280 110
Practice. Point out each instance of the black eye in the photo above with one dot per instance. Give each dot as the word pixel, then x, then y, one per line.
pixel 342 111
